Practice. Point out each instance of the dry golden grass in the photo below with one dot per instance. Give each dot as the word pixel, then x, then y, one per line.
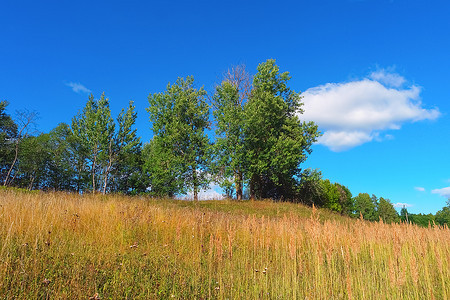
pixel 72 247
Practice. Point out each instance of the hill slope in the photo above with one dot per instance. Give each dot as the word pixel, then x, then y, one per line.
pixel 69 246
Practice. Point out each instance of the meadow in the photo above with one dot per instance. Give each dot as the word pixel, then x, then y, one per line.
pixel 67 246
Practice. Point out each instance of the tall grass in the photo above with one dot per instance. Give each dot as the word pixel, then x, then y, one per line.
pixel 79 247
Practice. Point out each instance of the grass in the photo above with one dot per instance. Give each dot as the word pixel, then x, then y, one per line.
pixel 67 246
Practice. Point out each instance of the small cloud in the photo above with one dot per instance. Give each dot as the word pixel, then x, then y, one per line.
pixel 444 192
pixel 78 87
pixel 357 112
pixel 401 205
pixel 419 188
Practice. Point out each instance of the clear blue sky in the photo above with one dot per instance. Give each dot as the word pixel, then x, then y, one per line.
pixel 375 73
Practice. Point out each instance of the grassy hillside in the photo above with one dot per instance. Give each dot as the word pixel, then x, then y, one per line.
pixel 73 247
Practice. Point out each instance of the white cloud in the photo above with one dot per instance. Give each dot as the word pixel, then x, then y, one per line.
pixel 419 188
pixel 444 192
pixel 78 87
pixel 354 113
pixel 401 205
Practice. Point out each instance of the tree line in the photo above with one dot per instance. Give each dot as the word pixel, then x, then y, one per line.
pixel 257 150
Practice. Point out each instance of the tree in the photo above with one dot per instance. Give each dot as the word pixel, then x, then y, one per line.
pixel 64 164
pixel 163 168
pixel 228 103
pixel 345 199
pixel 276 141
pixel 93 130
pixel 332 196
pixel 33 160
pixel 310 190
pixel 364 206
pixel 404 214
pixel 180 146
pixel 386 211
pixel 121 145
pixel 8 133
pixel 443 216
pixel 25 124
pixel 124 155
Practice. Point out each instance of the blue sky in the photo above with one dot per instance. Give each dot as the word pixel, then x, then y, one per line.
pixel 375 74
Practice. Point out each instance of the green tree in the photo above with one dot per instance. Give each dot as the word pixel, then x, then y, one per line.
pixel 310 190
pixel 443 216
pixel 365 206
pixel 332 196
pixel 163 168
pixel 8 133
pixel 345 199
pixel 25 126
pixel 93 129
pixel 228 103
pixel 63 164
pixel 32 163
pixel 386 211
pixel 276 141
pixel 122 146
pixel 179 118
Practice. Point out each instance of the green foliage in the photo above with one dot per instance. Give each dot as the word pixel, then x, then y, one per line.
pixel 276 141
pixel 443 216
pixel 180 149
pixel 62 167
pixel 93 129
pixel 33 161
pixel 364 206
pixel 229 148
pixel 8 132
pixel 387 212
pixel 101 150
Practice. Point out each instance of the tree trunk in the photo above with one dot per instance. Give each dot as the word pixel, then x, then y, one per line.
pixel 238 182
pixel 12 165
pixel 195 184
pixel 108 169
pixel 93 174
pixel 30 186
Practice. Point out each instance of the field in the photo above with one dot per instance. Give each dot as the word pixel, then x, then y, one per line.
pixel 63 246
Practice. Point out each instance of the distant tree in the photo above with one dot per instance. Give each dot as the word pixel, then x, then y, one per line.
pixel 386 211
pixel 228 103
pixel 33 160
pixel 332 196
pixel 345 199
pixel 123 147
pixel 103 150
pixel 276 141
pixel 93 129
pixel 404 214
pixel 63 164
pixel 421 219
pixel 310 190
pixel 25 126
pixel 180 147
pixel 8 133
pixel 443 216
pixel 365 206
pixel 163 168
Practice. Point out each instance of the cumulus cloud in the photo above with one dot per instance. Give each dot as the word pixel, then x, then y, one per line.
pixel 444 192
pixel 356 112
pixel 401 205
pixel 419 188
pixel 78 87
